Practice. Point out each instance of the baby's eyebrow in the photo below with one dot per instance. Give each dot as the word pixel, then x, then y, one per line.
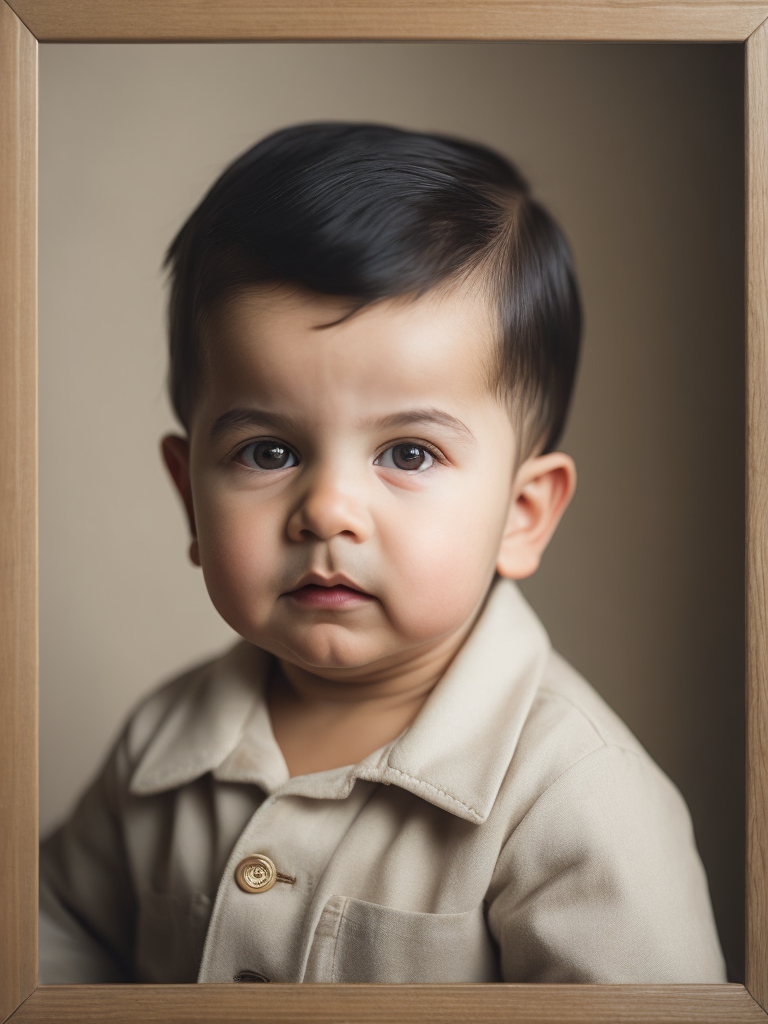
pixel 276 421
pixel 249 418
pixel 438 416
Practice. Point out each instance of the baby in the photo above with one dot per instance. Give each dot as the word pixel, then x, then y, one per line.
pixel 392 777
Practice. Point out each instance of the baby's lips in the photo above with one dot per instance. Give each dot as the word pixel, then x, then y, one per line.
pixel 336 597
pixel 314 579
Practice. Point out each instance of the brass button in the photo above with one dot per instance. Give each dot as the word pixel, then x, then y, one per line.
pixel 256 873
pixel 249 976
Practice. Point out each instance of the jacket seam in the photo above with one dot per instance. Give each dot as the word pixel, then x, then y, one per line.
pixel 598 750
pixel 584 714
pixel 436 789
pixel 336 937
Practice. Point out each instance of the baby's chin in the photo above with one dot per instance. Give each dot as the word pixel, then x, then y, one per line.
pixel 336 652
pixel 362 645
pixel 331 652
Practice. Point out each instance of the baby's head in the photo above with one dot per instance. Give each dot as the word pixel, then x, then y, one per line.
pixel 373 338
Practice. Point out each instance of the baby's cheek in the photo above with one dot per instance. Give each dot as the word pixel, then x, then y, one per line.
pixel 444 580
pixel 227 590
pixel 236 561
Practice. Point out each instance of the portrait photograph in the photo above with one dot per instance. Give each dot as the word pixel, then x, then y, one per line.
pixel 615 591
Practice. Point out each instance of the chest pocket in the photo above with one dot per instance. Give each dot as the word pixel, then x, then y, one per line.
pixel 356 941
pixel 170 936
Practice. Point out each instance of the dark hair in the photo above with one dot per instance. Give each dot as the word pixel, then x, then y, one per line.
pixel 368 212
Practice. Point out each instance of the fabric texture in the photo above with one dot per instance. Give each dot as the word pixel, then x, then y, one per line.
pixel 516 831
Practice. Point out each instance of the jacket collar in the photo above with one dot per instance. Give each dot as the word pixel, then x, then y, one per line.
pixel 454 755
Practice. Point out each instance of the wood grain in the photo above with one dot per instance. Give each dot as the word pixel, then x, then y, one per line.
pixel 18 535
pixel 757 513
pixel 105 20
pixel 395 1004
pixel 154 20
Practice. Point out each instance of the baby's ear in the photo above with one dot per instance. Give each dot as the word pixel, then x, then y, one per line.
pixel 542 489
pixel 175 451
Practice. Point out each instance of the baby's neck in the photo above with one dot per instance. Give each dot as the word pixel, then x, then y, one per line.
pixel 321 724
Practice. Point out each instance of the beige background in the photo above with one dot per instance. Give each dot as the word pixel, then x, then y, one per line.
pixel 636 150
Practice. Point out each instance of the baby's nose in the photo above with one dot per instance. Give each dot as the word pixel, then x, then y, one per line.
pixel 331 506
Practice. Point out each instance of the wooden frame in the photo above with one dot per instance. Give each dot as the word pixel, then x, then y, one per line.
pixel 23 23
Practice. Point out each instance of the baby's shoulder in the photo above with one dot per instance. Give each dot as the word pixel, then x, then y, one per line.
pixel 568 704
pixel 568 725
pixel 195 697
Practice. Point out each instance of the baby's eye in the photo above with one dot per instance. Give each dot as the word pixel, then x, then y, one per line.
pixel 413 457
pixel 267 455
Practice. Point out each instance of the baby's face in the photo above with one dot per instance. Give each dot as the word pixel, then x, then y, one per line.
pixel 350 485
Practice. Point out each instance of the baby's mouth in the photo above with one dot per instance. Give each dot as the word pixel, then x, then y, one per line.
pixel 317 595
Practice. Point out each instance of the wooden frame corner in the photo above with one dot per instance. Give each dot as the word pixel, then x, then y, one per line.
pixel 24 23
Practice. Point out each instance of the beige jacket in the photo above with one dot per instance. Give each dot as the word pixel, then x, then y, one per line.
pixel 516 831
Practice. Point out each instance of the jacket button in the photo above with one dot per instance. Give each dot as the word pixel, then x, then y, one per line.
pixel 249 976
pixel 256 873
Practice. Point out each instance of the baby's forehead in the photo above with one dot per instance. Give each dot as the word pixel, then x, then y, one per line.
pixel 468 298
pixel 284 344
pixel 252 316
